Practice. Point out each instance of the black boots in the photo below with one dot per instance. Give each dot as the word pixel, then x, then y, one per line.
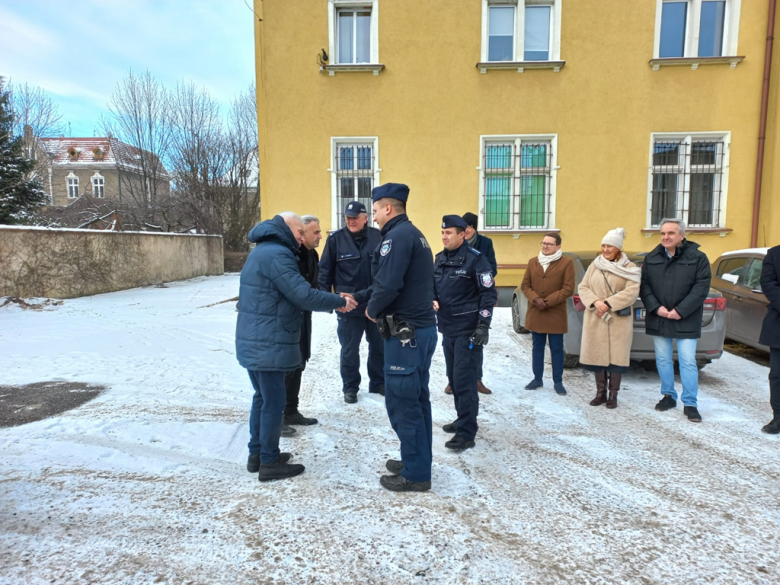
pixel 773 428
pixel 601 389
pixel 614 387
pixel 279 470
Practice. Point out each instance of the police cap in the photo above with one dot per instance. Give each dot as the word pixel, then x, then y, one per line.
pixel 453 221
pixel 392 190
pixel 354 208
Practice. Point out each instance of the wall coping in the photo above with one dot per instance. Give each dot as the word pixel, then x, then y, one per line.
pixel 32 228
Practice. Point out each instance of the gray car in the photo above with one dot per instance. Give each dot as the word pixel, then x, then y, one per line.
pixel 737 275
pixel 710 346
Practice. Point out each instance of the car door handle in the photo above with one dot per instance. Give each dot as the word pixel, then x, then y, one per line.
pixel 737 298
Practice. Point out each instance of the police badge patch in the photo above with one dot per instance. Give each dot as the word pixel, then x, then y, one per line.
pixel 486 279
pixel 485 313
pixel 385 249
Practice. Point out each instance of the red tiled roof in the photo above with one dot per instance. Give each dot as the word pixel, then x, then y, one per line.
pixel 114 151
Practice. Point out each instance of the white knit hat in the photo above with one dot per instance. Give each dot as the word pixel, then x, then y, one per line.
pixel 615 238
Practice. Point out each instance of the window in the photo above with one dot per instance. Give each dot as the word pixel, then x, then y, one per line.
pixel 73 186
pixel 752 278
pixel 730 269
pixel 517 184
pixel 98 186
pixel 354 173
pixel 696 28
pixel 523 30
pixel 688 179
pixel 353 32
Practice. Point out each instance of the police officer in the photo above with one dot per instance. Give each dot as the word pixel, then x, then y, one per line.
pixel 464 295
pixel 401 299
pixel 346 267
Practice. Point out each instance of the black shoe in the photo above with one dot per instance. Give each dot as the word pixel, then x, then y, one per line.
pixel 534 384
pixel 253 463
pixel 288 431
pixel 394 466
pixel 692 413
pixel 398 483
pixel 350 397
pixel 560 389
pixel 279 470
pixel 458 443
pixel 666 403
pixel 380 391
pixel 773 428
pixel 450 427
pixel 296 418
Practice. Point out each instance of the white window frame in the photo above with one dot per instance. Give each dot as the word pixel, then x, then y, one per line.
pixel 519 31
pixel 688 138
pixel 72 183
pixel 333 8
pixel 335 143
pixel 486 139
pixel 98 184
pixel 693 27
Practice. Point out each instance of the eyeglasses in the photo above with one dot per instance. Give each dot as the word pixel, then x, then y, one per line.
pixel 545 244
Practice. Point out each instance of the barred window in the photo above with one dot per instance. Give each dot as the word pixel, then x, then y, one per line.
pixel 688 180
pixel 517 184
pixel 355 166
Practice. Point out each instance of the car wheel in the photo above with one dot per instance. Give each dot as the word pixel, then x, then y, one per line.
pixel 570 361
pixel 516 318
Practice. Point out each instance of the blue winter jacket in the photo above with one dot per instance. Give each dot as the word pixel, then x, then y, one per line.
pixel 271 301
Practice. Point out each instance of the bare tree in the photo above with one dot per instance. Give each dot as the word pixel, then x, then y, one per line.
pixel 34 108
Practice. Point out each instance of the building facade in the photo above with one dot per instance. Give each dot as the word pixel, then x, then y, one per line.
pixel 537 115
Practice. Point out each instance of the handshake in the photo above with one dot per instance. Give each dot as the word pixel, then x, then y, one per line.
pixel 351 303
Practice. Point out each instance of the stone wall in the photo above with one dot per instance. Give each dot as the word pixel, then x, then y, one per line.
pixel 67 263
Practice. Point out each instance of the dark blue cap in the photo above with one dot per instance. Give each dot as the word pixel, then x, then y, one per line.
pixel 453 221
pixel 354 208
pixel 391 190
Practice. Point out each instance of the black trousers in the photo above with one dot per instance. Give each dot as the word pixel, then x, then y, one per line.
pixel 292 385
pixel 774 380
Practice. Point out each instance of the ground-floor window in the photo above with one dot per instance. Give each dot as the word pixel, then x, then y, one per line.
pixel 354 174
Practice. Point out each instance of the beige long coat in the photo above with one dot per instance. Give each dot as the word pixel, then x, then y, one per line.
pixel 555 286
pixel 607 343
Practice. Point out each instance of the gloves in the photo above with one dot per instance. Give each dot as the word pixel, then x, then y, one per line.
pixel 540 304
pixel 480 336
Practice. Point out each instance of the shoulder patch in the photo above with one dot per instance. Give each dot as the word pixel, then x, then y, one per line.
pixel 424 242
pixel 387 245
pixel 485 313
pixel 486 278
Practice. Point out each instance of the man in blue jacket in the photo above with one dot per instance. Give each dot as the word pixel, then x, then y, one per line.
pixel 465 295
pixel 346 267
pixel 770 333
pixel 271 301
pixel 401 299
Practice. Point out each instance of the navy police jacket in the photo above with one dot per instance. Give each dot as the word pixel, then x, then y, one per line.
pixel 402 270
pixel 346 263
pixel 464 289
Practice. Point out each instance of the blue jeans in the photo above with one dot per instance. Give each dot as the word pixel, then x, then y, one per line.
pixel 556 353
pixel 689 373
pixel 265 417
pixel 350 331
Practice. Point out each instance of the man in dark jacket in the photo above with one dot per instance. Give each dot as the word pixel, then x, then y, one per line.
pixel 346 267
pixel 271 301
pixel 308 266
pixel 464 297
pixel 770 333
pixel 675 283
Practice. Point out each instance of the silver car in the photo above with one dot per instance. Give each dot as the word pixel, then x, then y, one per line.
pixel 710 346
pixel 737 275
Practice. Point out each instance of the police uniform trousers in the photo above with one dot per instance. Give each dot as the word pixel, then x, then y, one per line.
pixel 462 370
pixel 408 400
pixel 350 331
pixel 265 417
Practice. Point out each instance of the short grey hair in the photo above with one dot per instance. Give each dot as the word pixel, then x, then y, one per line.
pixel 307 219
pixel 290 215
pixel 679 222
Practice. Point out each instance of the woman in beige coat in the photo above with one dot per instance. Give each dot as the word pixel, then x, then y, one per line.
pixel 609 287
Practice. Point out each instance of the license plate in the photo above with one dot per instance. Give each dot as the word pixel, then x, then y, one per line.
pixel 639 314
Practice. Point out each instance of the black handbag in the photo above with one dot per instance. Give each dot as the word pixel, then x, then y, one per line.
pixel 622 312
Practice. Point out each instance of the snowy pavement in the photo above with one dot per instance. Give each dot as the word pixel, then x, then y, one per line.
pixel 147 484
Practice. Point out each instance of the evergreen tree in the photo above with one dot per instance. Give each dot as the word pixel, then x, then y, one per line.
pixel 20 195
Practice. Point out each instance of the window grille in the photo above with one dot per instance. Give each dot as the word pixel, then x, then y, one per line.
pixel 355 165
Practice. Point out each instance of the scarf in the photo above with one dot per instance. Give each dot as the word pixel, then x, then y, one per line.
pixel 619 267
pixel 545 261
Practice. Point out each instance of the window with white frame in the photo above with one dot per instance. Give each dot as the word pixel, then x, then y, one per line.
pixel 521 30
pixel 353 32
pixel 688 179
pixel 696 28
pixel 354 175
pixel 517 186
pixel 98 185
pixel 73 186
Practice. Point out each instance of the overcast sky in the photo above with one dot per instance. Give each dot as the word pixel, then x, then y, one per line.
pixel 78 50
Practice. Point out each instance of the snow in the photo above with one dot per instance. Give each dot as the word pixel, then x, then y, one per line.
pixel 146 483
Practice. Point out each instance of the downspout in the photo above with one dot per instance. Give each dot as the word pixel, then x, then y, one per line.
pixel 770 37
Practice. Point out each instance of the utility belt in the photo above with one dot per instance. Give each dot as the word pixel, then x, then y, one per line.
pixel 389 327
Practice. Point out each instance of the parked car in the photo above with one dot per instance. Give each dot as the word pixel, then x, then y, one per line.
pixel 737 275
pixel 710 346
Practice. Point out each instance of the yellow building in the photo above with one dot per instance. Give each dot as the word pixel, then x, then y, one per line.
pixel 538 115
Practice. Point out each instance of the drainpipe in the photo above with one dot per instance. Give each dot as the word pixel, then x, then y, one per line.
pixel 770 37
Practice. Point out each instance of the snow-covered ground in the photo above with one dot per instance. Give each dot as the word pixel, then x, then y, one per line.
pixel 146 484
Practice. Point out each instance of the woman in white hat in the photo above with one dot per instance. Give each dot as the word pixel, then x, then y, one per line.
pixel 608 290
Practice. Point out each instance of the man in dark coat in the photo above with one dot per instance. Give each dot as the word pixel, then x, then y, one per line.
pixel 675 283
pixel 346 267
pixel 308 260
pixel 271 301
pixel 770 333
